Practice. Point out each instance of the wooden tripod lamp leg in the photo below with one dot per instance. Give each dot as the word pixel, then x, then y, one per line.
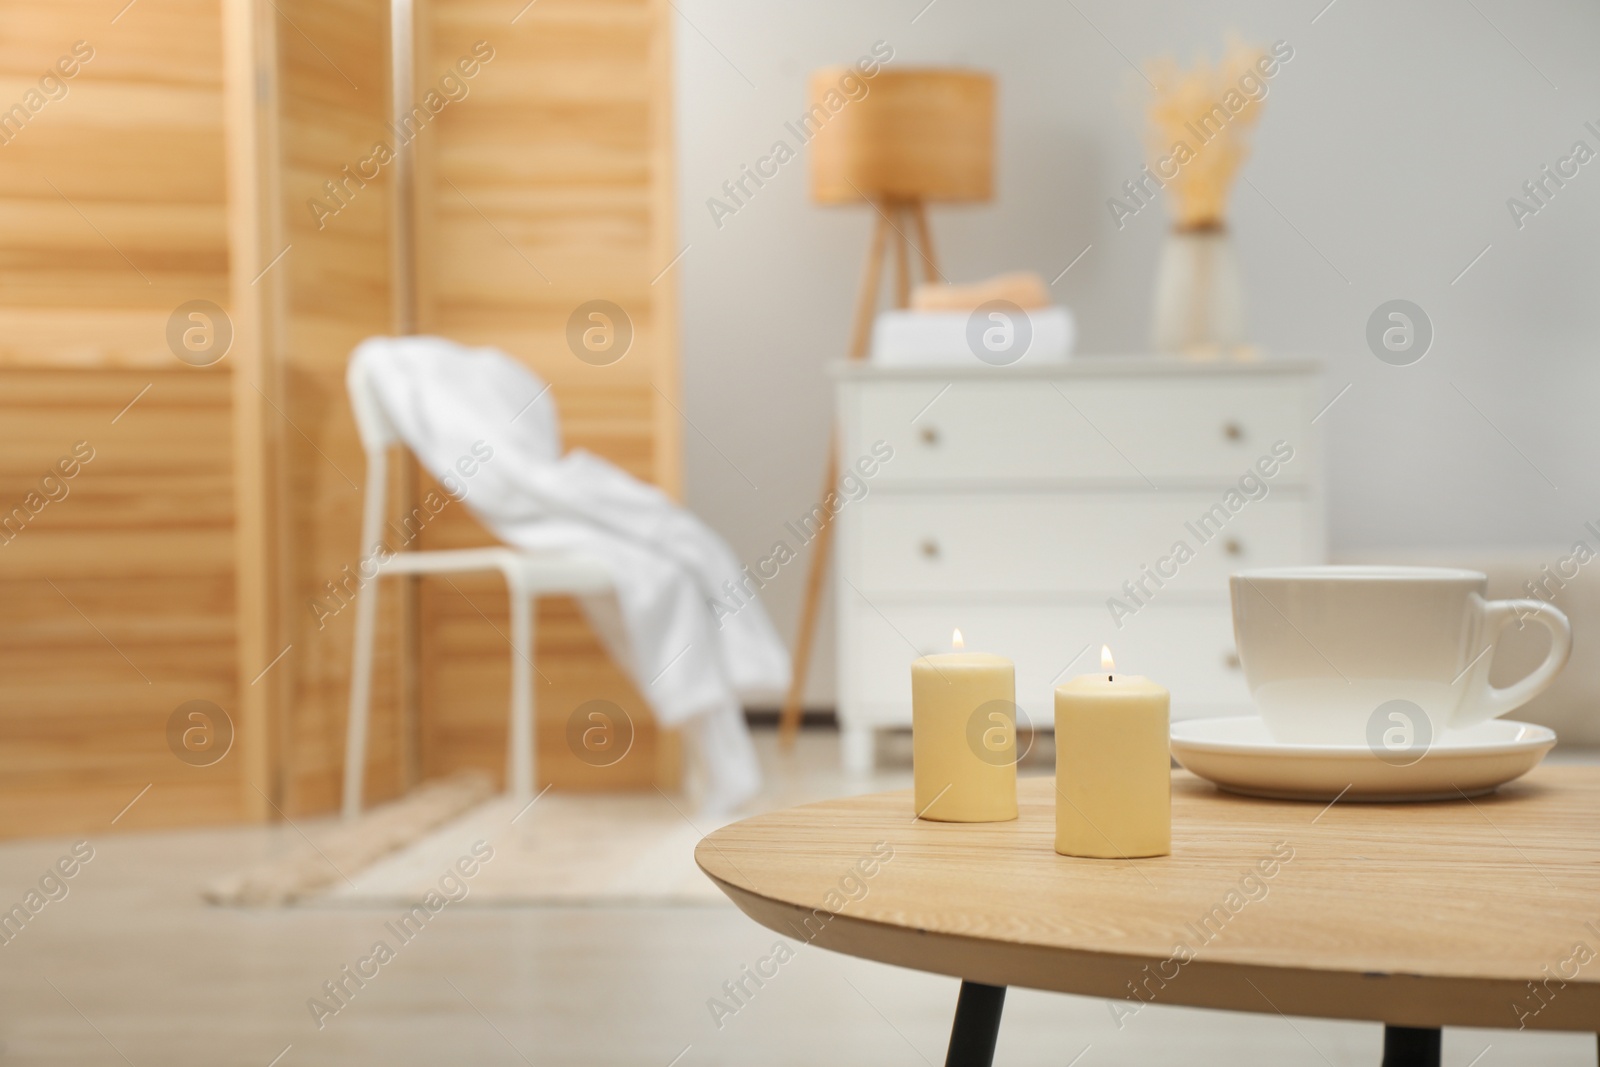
pixel 867 292
pixel 902 257
pixel 930 262
pixel 821 545
pixel 860 334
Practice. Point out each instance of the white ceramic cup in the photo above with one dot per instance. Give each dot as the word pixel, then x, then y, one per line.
pixel 1328 651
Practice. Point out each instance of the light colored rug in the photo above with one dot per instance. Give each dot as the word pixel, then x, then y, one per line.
pixel 332 849
pixel 586 849
pixel 605 850
pixel 566 849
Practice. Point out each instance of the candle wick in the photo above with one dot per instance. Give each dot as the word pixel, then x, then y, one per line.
pixel 1109 678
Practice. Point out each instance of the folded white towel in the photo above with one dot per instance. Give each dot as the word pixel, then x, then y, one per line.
pixel 442 398
pixel 902 338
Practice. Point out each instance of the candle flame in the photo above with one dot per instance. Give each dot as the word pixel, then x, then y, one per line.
pixel 1105 659
pixel 957 642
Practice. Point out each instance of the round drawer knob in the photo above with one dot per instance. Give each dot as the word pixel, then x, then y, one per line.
pixel 930 436
pixel 930 548
pixel 1233 431
pixel 1231 661
pixel 1233 547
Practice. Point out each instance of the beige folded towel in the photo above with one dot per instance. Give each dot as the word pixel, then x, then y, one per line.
pixel 1023 288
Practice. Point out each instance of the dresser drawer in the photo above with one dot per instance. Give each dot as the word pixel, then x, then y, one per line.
pixel 1145 431
pixel 1085 543
pixel 1187 647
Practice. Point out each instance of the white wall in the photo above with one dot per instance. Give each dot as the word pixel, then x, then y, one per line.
pixel 1386 153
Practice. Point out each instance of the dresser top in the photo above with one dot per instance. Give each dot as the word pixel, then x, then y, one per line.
pixel 1087 366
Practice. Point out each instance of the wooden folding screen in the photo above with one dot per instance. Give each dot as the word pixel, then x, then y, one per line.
pixel 211 150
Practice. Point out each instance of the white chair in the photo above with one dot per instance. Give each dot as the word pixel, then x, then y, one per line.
pixel 528 575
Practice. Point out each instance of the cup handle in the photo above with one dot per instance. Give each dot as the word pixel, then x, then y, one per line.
pixel 1490 702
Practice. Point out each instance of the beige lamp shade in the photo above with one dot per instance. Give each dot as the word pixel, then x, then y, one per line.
pixel 918 134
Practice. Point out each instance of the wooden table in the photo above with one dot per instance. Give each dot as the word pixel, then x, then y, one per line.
pixel 1480 913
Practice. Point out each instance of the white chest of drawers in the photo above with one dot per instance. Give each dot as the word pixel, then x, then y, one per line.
pixel 1041 510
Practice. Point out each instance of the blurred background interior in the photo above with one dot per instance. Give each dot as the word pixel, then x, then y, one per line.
pixel 209 203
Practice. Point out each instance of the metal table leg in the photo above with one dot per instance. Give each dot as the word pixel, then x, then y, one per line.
pixel 1405 1046
pixel 977 1025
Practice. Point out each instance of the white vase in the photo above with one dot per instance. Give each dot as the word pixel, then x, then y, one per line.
pixel 1199 299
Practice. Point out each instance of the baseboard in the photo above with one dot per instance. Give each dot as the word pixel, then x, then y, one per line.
pixel 810 718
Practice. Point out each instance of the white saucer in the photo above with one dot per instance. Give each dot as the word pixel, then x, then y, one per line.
pixel 1240 757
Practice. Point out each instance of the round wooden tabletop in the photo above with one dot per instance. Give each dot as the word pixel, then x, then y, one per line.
pixel 1480 912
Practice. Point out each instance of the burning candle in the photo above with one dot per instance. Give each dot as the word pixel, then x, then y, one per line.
pixel 1113 772
pixel 964 736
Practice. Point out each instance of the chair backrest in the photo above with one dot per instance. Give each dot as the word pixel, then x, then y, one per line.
pixel 377 435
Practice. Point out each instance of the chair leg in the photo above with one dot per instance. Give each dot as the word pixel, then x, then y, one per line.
pixel 355 742
pixel 519 757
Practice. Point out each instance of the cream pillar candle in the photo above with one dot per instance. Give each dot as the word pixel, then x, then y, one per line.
pixel 1113 771
pixel 964 736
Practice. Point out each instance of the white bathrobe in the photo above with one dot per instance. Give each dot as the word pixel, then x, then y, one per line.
pixel 443 398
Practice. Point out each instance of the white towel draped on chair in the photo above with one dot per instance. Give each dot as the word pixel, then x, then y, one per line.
pixel 443 398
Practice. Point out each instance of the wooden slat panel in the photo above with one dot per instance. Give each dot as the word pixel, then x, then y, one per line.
pixel 112 213
pixel 87 337
pixel 112 199
pixel 206 796
pixel 120 597
pixel 333 62
pixel 542 190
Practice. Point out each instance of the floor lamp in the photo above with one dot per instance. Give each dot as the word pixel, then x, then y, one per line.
pixel 916 136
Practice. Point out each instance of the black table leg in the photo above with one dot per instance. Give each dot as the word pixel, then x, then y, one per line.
pixel 1404 1046
pixel 977 1025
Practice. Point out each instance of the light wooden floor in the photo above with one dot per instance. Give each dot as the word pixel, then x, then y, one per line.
pixel 131 967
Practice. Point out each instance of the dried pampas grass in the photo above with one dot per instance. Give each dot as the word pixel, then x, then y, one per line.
pixel 1200 123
